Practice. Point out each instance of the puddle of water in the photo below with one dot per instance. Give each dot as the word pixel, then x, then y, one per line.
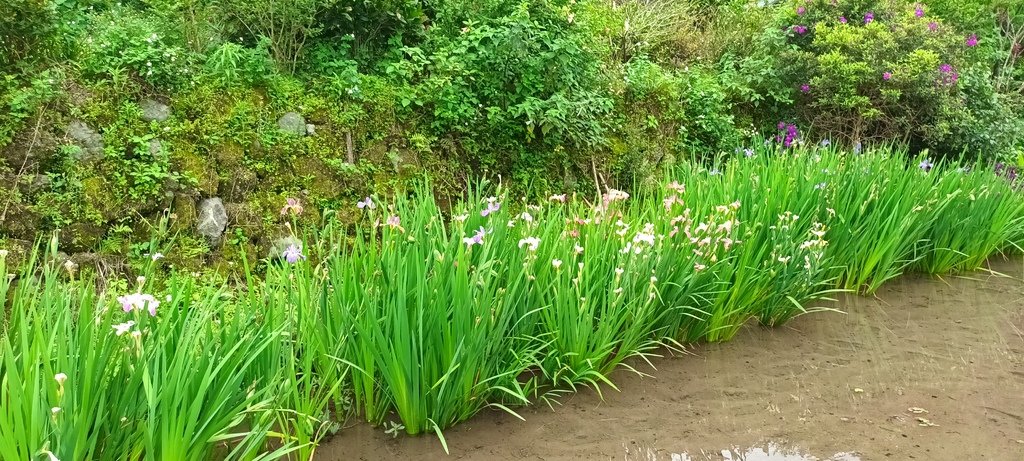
pixel 770 452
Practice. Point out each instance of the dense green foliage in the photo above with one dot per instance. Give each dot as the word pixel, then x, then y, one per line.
pixel 543 94
pixel 418 315
pixel 771 153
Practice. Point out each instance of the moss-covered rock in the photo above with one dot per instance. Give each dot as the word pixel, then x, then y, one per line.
pixel 81 236
pixel 183 213
pixel 99 197
pixel 198 168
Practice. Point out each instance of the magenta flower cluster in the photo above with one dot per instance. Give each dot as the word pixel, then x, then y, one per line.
pixel 788 134
pixel 948 76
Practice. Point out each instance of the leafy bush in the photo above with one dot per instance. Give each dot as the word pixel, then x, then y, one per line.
pixel 287 25
pixel 509 83
pixel 231 63
pixel 688 107
pixel 870 70
pixel 124 41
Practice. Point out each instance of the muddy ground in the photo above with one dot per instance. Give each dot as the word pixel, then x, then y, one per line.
pixel 930 369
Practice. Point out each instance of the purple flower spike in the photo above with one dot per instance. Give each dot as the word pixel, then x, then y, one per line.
pixel 933 26
pixel 919 11
pixel 869 17
pixel 842 20
pixel 886 76
pixel 805 88
pixel 972 40
pixel 800 11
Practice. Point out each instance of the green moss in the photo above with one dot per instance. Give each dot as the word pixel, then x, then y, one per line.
pixel 198 168
pixel 82 236
pixel 99 198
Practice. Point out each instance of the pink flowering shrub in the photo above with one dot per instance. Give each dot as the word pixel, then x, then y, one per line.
pixel 860 71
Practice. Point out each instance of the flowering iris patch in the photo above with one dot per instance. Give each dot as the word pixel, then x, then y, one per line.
pixel 140 302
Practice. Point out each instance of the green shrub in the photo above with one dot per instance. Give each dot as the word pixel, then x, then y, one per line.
pixel 124 41
pixel 871 70
pixel 505 86
pixel 689 103
pixel 288 26
pixel 233 64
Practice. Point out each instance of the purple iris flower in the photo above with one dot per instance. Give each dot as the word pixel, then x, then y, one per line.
pixel 476 239
pixel 492 206
pixel 869 17
pixel 972 40
pixel 926 165
pixel 293 254
pixel 366 203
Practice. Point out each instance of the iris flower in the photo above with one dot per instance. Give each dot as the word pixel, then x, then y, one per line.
pixel 293 254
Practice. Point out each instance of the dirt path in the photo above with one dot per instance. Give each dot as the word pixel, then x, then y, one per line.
pixel 930 370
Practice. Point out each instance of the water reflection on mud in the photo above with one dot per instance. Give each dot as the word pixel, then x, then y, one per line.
pixel 769 452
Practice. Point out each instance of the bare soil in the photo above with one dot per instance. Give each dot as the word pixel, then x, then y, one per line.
pixel 929 369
